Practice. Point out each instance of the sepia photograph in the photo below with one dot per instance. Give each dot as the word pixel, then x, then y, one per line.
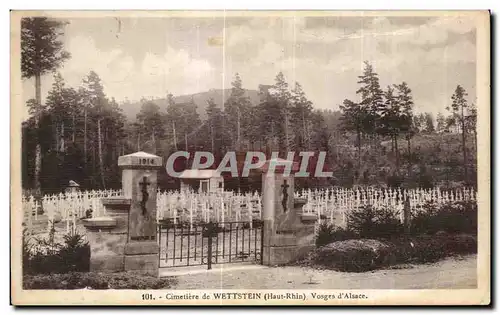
pixel 250 157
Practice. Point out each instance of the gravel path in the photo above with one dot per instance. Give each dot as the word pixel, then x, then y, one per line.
pixel 452 273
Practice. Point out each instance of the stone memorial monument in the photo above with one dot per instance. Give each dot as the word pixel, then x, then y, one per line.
pixel 288 233
pixel 125 239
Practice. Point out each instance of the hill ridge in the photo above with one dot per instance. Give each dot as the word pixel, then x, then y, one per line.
pixel 131 109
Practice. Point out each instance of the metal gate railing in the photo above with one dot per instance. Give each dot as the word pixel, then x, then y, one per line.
pixel 185 244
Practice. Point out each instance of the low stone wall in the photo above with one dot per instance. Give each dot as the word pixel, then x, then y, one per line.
pixel 107 251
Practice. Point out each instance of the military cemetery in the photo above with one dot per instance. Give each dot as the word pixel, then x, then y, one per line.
pixel 343 171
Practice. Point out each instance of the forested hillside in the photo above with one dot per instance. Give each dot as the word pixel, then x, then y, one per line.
pixel 82 133
pixel 378 139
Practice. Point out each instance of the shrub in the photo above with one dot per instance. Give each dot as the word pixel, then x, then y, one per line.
pixel 456 217
pixel 97 281
pixel 437 232
pixel 40 254
pixel 422 249
pixel 328 233
pixel 459 244
pixel 43 256
pixel 362 255
pixel 431 248
pixel 75 253
pixel 354 255
pixel 368 222
pixel 27 249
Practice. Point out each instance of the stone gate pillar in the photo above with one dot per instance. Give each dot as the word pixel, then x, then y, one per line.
pixel 125 239
pixel 288 233
pixel 140 184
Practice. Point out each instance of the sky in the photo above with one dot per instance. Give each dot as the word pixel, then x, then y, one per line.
pixel 149 57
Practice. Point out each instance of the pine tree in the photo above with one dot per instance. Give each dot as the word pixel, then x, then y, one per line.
pixel 236 108
pixel 371 98
pixel 282 96
pixel 472 123
pixel 171 111
pixel 405 101
pixel 266 113
pixel 353 119
pixel 41 52
pixel 440 123
pixel 94 92
pixel 214 119
pixel 418 123
pixel 115 132
pixel 390 120
pixel 192 122
pixel 152 122
pixel 64 131
pixel 429 123
pixel 459 110
pixel 64 105
pixel 301 115
pixel 184 122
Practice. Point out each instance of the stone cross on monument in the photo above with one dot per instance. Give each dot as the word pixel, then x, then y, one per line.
pixel 144 189
pixel 284 202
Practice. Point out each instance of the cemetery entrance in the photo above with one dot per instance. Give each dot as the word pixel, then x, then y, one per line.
pixel 186 244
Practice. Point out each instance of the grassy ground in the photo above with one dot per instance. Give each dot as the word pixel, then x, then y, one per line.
pixel 451 273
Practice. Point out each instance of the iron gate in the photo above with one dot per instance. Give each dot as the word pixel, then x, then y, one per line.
pixel 185 244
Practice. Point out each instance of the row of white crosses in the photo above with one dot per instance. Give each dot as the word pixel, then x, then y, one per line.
pixel 68 206
pixel 327 202
pixel 193 207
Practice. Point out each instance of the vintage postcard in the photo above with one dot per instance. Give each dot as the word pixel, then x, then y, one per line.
pixel 250 158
